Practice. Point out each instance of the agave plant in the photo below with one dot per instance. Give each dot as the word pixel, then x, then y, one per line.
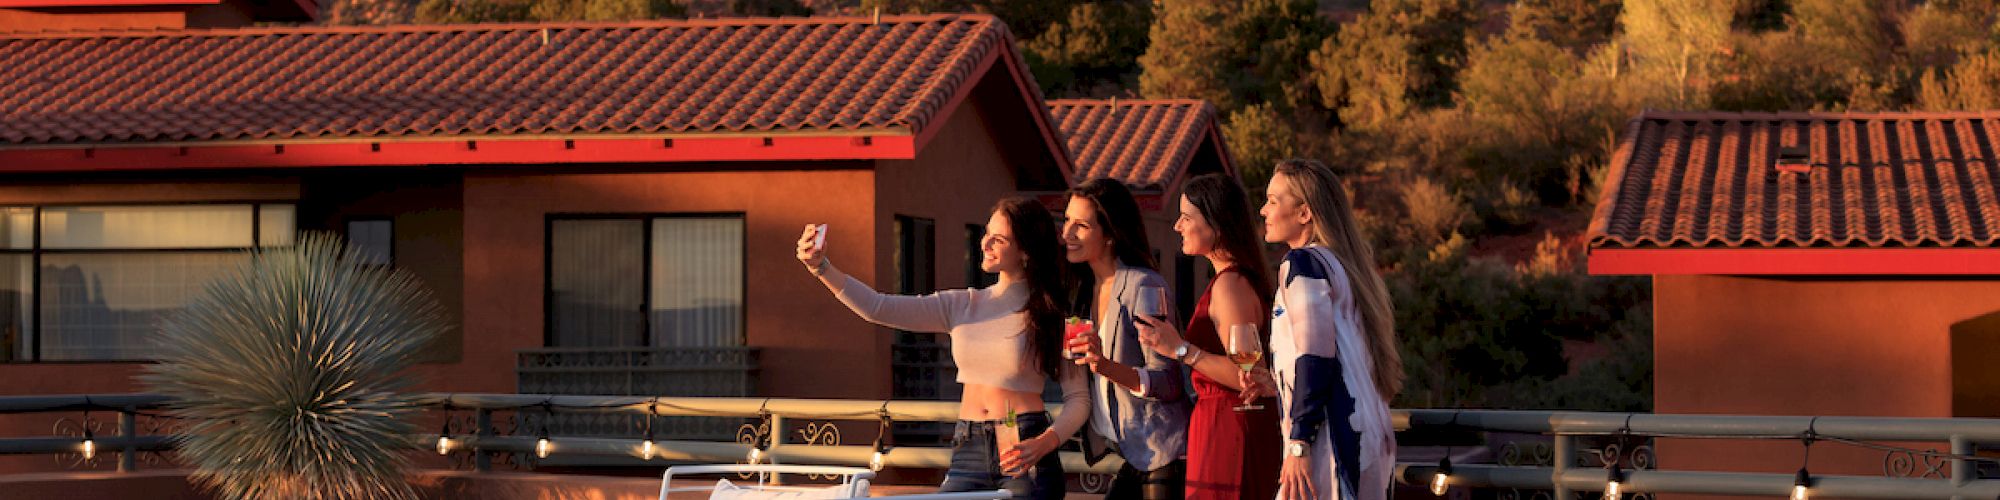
pixel 288 370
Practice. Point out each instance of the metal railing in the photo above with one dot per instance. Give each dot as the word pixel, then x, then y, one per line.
pixel 639 371
pixel 1565 475
pixel 1565 478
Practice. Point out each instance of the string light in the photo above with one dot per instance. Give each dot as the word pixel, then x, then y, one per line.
pixel 89 438
pixel 758 441
pixel 1615 487
pixel 542 444
pixel 89 443
pixel 880 457
pixel 1800 485
pixel 1803 481
pixel 1441 482
pixel 646 446
pixel 444 435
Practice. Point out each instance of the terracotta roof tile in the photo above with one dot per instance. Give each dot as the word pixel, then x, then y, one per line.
pixel 673 77
pixel 1694 180
pixel 1145 143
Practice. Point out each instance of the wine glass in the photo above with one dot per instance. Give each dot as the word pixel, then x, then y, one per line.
pixel 1153 302
pixel 1245 350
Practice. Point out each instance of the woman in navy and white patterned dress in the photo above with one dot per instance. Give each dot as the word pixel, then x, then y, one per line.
pixel 1333 342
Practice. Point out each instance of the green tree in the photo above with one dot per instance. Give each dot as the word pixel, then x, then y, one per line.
pixel 1937 32
pixel 769 8
pixel 1402 55
pixel 1972 84
pixel 368 12
pixel 1576 25
pixel 487 11
pixel 1258 138
pixel 1097 47
pixel 1521 84
pixel 1849 33
pixel 473 11
pixel 1230 53
pixel 1678 43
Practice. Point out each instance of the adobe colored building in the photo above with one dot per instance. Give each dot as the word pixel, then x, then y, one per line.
pixel 1152 146
pixel 603 208
pixel 1811 264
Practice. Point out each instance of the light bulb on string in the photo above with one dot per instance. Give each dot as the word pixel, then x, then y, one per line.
pixel 880 458
pixel 1614 488
pixel 89 438
pixel 444 437
pixel 758 440
pixel 1441 481
pixel 1800 484
pixel 543 446
pixel 89 442
pixel 646 446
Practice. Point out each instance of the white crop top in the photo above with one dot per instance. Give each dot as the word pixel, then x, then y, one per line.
pixel 989 341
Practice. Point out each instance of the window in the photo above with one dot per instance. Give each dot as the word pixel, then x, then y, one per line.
pixel 921 363
pixel 92 283
pixel 374 239
pixel 916 251
pixel 670 281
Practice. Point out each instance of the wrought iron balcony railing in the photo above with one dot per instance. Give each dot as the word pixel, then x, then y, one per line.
pixel 1566 472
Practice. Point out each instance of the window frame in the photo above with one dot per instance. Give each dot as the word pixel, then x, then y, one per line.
pixel 347 229
pixel 35 252
pixel 646 266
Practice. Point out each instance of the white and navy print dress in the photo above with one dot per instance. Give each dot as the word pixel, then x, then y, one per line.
pixel 1326 381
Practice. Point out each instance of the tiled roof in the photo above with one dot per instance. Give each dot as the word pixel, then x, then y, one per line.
pixel 1702 180
pixel 694 77
pixel 1145 143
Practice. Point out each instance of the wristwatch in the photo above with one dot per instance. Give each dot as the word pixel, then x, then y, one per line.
pixel 1180 353
pixel 1295 448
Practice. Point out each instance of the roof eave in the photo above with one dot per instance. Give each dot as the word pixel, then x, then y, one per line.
pixel 1866 261
pixel 459 151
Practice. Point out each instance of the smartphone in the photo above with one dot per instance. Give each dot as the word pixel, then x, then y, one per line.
pixel 819 238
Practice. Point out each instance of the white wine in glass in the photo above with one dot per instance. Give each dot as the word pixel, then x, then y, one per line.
pixel 1245 350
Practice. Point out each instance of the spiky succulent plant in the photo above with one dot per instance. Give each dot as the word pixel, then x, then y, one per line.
pixel 288 372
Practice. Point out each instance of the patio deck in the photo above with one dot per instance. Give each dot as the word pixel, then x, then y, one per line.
pixel 431 485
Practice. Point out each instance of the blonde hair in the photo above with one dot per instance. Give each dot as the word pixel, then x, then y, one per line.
pixel 1333 226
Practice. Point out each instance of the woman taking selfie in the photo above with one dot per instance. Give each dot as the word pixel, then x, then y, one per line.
pixel 1007 342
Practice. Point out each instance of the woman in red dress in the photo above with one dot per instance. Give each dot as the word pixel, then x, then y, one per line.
pixel 1231 454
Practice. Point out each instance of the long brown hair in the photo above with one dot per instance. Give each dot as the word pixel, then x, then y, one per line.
pixel 1222 201
pixel 1118 214
pixel 1333 226
pixel 1042 263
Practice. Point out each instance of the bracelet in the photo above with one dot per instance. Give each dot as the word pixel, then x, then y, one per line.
pixel 818 268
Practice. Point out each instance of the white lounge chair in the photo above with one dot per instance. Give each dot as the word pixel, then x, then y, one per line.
pixel 853 484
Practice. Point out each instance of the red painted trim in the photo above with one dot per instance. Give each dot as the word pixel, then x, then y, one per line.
pixel 457 152
pixel 1796 261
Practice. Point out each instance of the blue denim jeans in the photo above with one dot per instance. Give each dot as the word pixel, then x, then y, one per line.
pixel 975 464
